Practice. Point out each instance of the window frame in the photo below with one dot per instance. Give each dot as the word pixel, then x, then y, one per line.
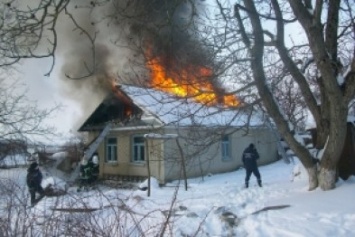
pixel 226 153
pixel 109 146
pixel 138 147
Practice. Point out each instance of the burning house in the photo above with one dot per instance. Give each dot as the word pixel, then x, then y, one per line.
pixel 209 139
pixel 168 84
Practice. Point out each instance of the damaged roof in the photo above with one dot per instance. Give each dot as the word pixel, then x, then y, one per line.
pixel 168 109
pixel 116 107
pixel 173 110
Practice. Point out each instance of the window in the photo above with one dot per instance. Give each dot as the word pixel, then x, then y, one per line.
pixel 226 154
pixel 111 149
pixel 138 149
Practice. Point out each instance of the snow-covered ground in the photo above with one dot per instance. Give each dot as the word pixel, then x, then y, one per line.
pixel 216 205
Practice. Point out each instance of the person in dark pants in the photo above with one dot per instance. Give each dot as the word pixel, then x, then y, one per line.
pixel 250 156
pixel 34 180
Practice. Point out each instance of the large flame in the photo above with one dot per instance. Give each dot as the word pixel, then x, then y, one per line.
pixel 189 82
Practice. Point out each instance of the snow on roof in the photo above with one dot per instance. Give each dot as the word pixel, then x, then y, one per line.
pixel 160 136
pixel 171 110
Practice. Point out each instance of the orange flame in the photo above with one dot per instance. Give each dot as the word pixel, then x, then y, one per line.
pixel 191 82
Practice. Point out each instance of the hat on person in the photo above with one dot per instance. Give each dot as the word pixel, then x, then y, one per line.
pixel 95 160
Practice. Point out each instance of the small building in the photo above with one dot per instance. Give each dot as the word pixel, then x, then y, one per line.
pixel 198 139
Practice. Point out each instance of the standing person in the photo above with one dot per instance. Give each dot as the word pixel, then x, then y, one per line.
pixel 250 156
pixel 85 173
pixel 89 171
pixel 34 180
pixel 95 166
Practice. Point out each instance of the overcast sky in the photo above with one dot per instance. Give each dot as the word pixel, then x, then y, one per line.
pixel 46 91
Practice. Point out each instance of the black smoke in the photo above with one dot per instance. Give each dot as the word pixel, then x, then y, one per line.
pixel 168 29
pixel 112 39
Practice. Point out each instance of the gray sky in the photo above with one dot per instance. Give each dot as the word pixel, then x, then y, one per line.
pixel 46 91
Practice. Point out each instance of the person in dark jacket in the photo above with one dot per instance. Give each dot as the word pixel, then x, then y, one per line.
pixel 250 156
pixel 89 172
pixel 34 180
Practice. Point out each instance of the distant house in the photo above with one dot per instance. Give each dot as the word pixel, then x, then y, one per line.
pixel 203 140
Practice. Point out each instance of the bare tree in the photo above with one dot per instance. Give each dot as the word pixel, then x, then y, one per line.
pixel 20 118
pixel 24 27
pixel 318 61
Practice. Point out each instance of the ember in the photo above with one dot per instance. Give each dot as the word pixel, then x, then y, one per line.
pixel 189 82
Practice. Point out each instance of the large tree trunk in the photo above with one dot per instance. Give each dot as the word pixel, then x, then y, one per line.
pixel 312 177
pixel 334 146
pixel 328 166
pixel 322 134
pixel 327 178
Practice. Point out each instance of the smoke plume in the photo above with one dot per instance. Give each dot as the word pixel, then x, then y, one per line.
pixel 108 42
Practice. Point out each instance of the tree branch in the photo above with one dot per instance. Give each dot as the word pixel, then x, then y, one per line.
pixel 291 66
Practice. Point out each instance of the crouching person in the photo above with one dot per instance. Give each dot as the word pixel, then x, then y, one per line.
pixel 34 180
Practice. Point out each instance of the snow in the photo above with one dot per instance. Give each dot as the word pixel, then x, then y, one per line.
pixel 160 136
pixel 340 79
pixel 55 182
pixel 59 155
pixel 299 139
pixel 310 11
pixel 181 111
pixel 215 205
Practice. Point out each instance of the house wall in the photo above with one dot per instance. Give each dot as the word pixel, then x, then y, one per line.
pixel 156 158
pixel 124 166
pixel 202 160
pixel 202 156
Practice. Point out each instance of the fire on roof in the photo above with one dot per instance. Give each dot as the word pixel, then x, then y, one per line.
pixel 117 107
